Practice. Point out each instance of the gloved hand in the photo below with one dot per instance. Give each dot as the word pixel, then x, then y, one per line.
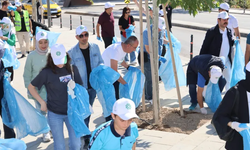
pixel 203 111
pixel 236 126
pixel 71 85
pixel 99 38
pixel 162 59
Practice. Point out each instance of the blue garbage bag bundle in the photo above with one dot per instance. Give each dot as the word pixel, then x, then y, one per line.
pixel 213 96
pixel 114 40
pixel 12 144
pixel 102 79
pixel 9 60
pixel 166 71
pixel 12 8
pixel 52 36
pixel 238 65
pixel 78 110
pixel 130 31
pixel 246 135
pixel 135 80
pixel 18 113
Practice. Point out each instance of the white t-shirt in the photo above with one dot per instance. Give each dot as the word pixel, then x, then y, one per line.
pixel 114 52
pixel 224 50
pixel 248 99
pixel 232 23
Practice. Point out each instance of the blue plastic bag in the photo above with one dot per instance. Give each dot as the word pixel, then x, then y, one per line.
pixel 12 144
pixel 114 40
pixel 102 79
pixel 246 135
pixel 52 36
pixel 78 110
pixel 18 113
pixel 135 80
pixel 166 71
pixel 12 8
pixel 238 65
pixel 213 96
pixel 8 59
pixel 130 31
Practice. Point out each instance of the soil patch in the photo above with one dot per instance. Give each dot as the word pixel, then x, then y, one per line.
pixel 171 121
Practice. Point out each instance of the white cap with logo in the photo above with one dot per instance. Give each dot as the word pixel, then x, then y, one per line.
pixel 18 4
pixel 215 73
pixel 5 20
pixel 58 54
pixel 41 35
pixel 161 23
pixel 224 6
pixel 109 5
pixel 223 15
pixel 125 109
pixel 80 29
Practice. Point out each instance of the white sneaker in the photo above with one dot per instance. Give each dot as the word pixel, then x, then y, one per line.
pixel 149 101
pixel 46 137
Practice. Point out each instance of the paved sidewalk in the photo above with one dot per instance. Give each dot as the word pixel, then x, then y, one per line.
pixel 202 139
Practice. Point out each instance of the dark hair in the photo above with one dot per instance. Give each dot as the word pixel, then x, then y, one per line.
pixel 50 64
pixel 4 3
pixel 224 9
pixel 125 10
pixel 131 40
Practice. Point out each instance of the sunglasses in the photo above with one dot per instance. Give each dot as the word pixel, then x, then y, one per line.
pixel 83 35
pixel 128 12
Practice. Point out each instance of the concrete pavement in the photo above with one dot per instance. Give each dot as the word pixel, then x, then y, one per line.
pixel 202 139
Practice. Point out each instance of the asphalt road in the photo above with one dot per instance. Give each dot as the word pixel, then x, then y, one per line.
pixel 182 34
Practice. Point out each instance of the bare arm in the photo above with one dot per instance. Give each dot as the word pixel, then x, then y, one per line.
pixel 114 65
pixel 31 27
pixel 143 10
pixel 134 146
pixel 34 93
pixel 147 48
pixel 237 32
pixel 247 54
pixel 121 29
pixel 200 97
pixel 97 29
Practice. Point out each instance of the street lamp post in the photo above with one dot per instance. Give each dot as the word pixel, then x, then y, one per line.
pixel 48 13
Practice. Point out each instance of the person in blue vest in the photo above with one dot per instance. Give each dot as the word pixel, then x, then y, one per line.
pixel 201 69
pixel 119 133
pixel 85 56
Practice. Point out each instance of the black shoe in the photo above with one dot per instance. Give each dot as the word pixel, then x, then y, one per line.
pixel 22 56
pixel 86 144
pixel 28 52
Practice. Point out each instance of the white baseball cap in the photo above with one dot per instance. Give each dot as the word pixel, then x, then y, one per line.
pixel 5 20
pixel 223 15
pixel 109 5
pixel 216 73
pixel 80 29
pixel 150 7
pixel 125 109
pixel 161 23
pixel 18 4
pixel 58 54
pixel 224 6
pixel 41 35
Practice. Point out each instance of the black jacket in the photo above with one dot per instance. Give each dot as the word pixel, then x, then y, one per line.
pixel 213 40
pixel 224 112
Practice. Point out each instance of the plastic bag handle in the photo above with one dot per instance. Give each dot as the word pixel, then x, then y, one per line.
pixel 72 71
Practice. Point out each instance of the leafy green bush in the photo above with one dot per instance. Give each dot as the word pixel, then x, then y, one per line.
pixel 239 3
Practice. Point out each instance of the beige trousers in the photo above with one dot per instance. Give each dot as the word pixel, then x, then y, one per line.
pixel 23 36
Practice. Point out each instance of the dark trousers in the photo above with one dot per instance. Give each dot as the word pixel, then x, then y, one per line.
pixel 116 86
pixel 8 132
pixel 193 92
pixel 107 41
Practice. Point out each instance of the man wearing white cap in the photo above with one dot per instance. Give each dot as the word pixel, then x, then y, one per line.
pixel 219 42
pixel 121 132
pixel 106 21
pixel 85 56
pixel 147 65
pixel 201 69
pixel 23 26
pixel 232 21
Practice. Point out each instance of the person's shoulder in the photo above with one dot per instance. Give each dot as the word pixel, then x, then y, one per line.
pixel 133 125
pixel 248 36
pixel 93 45
pixel 102 129
pixel 232 17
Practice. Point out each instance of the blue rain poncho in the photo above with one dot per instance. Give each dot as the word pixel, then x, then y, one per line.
pixel 9 58
pixel 135 80
pixel 246 135
pixel 213 96
pixel 166 71
pixel 52 36
pixel 238 65
pixel 18 113
pixel 102 79
pixel 78 110
pixel 12 144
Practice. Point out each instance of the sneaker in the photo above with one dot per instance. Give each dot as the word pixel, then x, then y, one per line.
pixel 46 137
pixel 22 56
pixel 86 144
pixel 192 106
pixel 149 101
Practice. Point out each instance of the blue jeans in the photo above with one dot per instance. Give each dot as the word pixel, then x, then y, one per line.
pixel 132 54
pixel 148 81
pixel 56 125
pixel 193 92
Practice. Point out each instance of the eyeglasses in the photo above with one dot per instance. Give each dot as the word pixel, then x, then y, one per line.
pixel 128 12
pixel 83 35
pixel 133 46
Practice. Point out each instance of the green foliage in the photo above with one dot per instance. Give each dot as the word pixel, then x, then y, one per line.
pixel 193 6
pixel 239 3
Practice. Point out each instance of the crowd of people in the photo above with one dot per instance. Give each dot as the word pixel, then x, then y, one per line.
pixel 50 71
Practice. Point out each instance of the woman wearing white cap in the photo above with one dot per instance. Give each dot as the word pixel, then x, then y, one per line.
pixel 36 60
pixel 55 77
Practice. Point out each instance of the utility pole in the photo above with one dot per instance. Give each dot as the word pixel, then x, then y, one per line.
pixel 34 17
pixel 48 13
